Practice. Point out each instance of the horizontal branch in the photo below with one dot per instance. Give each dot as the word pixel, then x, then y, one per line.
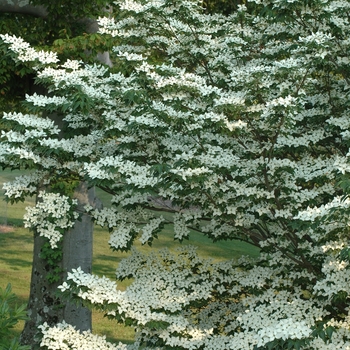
pixel 22 7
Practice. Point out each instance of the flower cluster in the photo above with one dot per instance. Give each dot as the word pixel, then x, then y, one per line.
pixel 64 336
pixel 52 215
pixel 23 185
pixel 26 53
pixel 285 328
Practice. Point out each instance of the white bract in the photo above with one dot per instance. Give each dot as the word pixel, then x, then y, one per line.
pixel 239 126
pixel 52 215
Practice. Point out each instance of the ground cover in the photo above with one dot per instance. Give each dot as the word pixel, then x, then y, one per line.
pixel 16 256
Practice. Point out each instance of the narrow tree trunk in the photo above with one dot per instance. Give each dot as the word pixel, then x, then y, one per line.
pixel 77 248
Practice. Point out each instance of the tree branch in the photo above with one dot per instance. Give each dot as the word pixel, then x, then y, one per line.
pixel 22 7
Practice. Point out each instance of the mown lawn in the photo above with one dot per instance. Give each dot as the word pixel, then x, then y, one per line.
pixel 16 256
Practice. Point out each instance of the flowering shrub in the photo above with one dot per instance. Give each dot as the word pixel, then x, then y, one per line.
pixel 239 125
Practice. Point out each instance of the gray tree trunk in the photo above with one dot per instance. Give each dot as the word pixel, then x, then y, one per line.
pixel 43 305
pixel 77 252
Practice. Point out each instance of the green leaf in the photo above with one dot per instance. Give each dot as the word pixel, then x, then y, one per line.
pixel 157 325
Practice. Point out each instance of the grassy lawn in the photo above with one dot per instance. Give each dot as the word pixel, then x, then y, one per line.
pixel 16 256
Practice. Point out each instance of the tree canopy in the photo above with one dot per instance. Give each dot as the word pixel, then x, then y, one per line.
pixel 236 124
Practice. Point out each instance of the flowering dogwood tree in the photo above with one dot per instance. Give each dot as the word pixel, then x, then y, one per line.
pixel 239 126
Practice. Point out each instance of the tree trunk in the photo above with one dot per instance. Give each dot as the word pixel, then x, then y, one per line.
pixel 77 248
pixel 43 305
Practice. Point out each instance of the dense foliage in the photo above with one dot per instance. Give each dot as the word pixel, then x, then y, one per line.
pixel 64 26
pixel 239 126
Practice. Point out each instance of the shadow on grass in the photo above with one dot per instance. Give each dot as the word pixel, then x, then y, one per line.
pixel 221 250
pixel 111 337
pixel 16 238
pixel 105 269
pixel 14 222
pixel 16 263
pixel 11 221
pixel 225 249
pixel 113 331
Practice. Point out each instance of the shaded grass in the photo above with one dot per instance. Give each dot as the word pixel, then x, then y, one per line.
pixel 16 249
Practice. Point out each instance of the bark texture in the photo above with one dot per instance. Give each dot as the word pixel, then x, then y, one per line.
pixel 43 305
pixel 77 252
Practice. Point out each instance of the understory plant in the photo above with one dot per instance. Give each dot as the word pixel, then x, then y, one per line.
pixel 10 314
pixel 237 126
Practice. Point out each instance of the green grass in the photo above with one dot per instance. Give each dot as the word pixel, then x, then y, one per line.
pixel 16 256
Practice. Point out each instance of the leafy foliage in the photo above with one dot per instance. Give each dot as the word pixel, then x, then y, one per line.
pixel 10 314
pixel 64 29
